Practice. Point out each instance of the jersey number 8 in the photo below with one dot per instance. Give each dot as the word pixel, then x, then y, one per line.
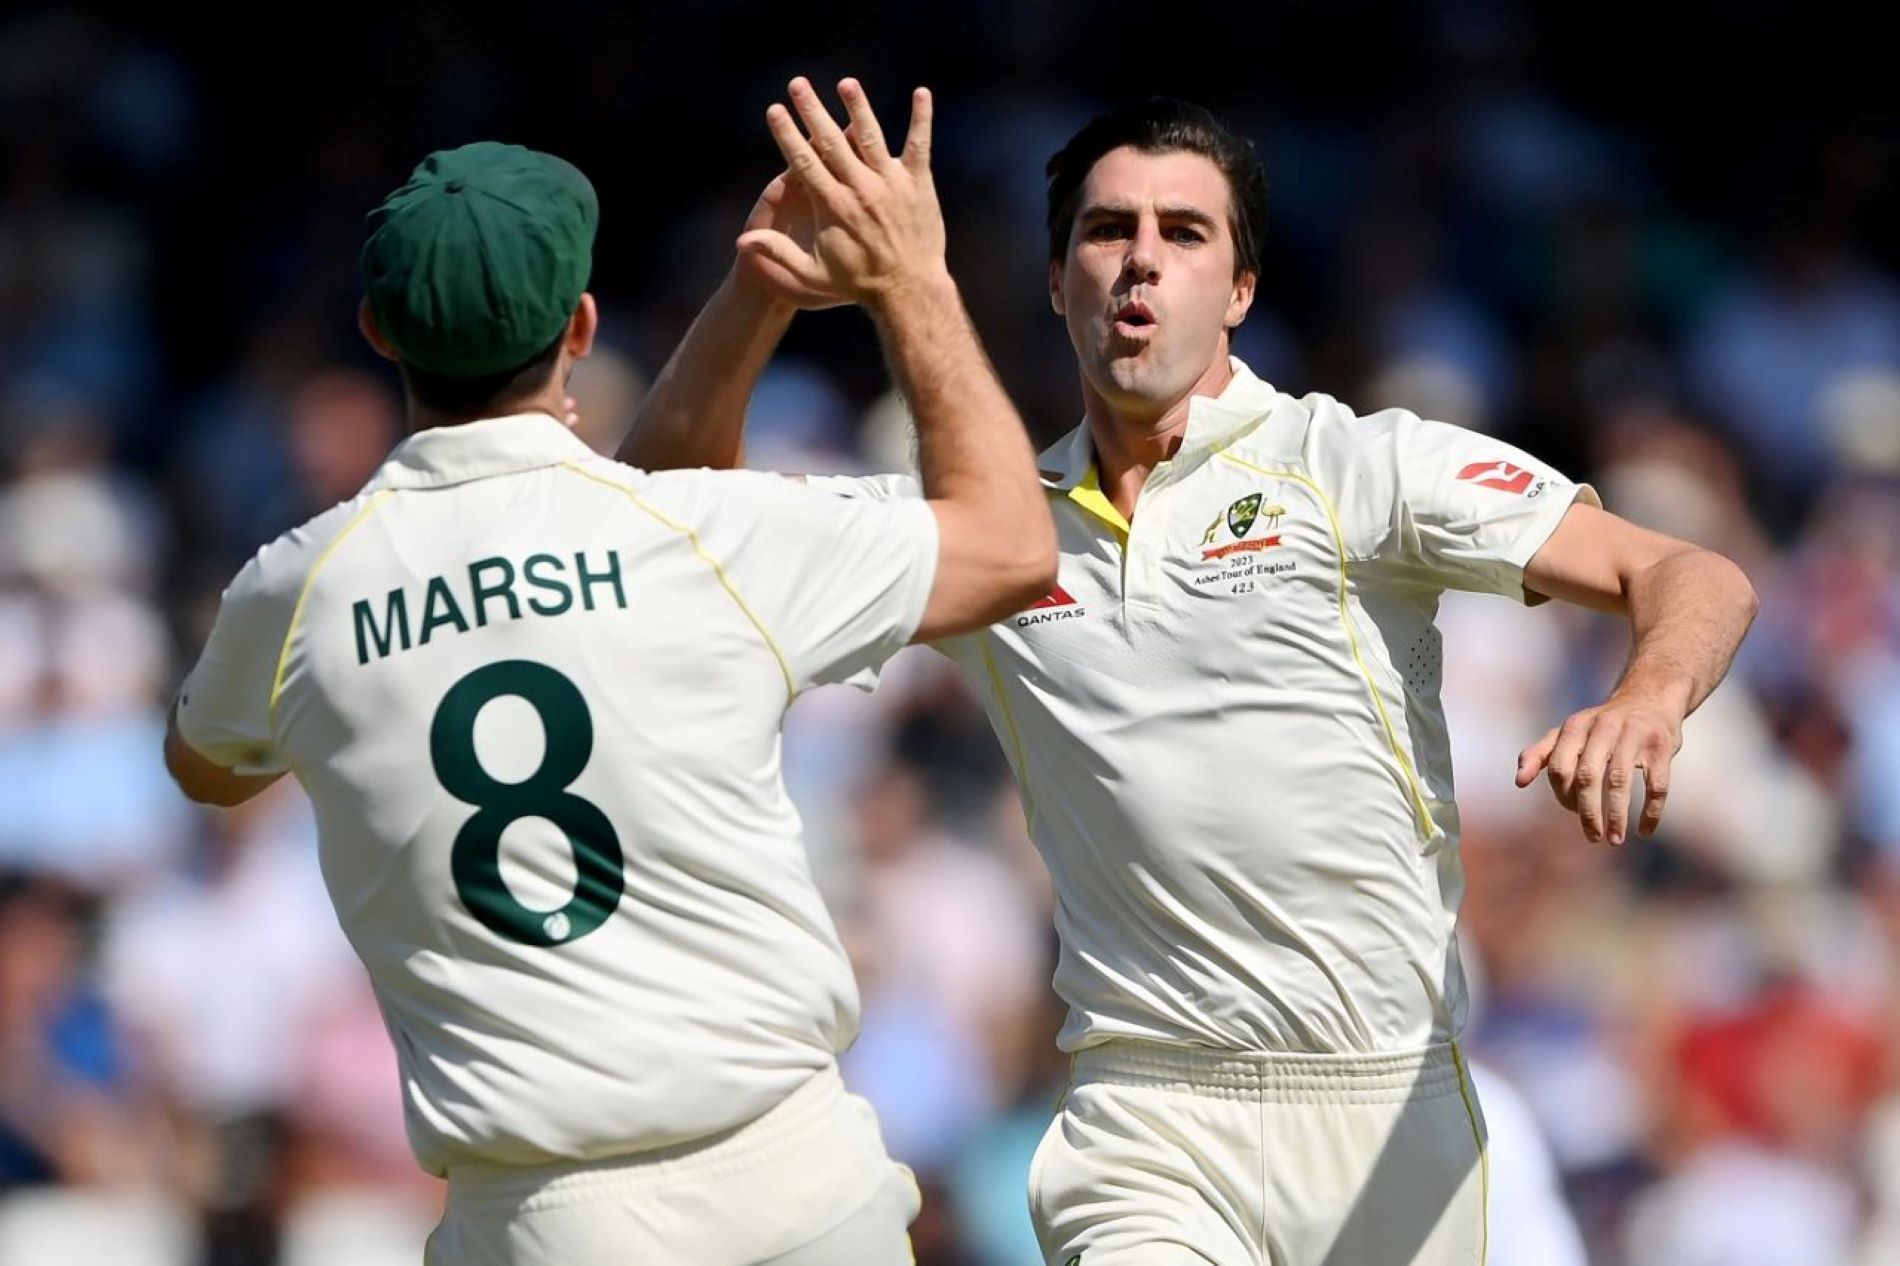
pixel 475 860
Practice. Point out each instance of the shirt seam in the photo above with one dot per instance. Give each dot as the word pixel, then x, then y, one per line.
pixel 1015 735
pixel 1421 809
pixel 718 569
pixel 303 596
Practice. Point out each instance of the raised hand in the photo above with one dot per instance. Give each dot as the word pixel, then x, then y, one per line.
pixel 876 224
pixel 784 207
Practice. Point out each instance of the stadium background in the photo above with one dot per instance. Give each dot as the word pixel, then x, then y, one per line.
pixel 1656 244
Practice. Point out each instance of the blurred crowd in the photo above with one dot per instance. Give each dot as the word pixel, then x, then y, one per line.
pixel 1485 218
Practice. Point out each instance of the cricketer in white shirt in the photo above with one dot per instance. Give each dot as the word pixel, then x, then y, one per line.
pixel 535 698
pixel 1226 724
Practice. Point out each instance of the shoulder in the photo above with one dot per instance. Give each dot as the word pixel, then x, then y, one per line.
pixel 277 573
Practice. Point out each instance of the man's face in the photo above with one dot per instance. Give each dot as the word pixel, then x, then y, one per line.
pixel 1148 286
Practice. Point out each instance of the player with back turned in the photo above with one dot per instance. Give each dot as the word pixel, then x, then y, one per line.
pixel 535 697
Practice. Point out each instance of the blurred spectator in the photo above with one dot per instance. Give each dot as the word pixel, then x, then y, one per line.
pixel 1789 332
pixel 72 1107
pixel 217 974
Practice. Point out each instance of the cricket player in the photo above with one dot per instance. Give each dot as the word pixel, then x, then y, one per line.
pixel 1225 721
pixel 535 697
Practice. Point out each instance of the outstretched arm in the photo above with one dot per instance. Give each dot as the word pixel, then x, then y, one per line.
pixel 1688 609
pixel 880 241
pixel 694 415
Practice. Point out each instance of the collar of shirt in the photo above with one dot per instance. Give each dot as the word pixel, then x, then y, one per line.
pixel 1068 465
pixel 446 455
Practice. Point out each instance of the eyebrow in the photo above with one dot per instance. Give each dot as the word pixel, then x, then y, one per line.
pixel 1168 211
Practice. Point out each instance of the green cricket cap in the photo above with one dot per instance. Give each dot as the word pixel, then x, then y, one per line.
pixel 476 264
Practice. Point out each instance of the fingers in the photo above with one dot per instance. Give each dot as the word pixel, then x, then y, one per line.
pixel 917 142
pixel 1531 761
pixel 864 129
pixel 827 138
pixel 800 157
pixel 571 412
pixel 1655 765
pixel 1562 766
pixel 783 257
pixel 1587 781
pixel 1592 761
pixel 1619 783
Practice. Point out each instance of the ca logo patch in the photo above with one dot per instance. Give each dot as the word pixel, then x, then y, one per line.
pixel 1239 519
pixel 1074 1261
pixel 1240 515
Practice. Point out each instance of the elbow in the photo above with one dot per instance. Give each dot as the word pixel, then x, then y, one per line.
pixel 192 788
pixel 1736 583
pixel 1751 601
pixel 1019 576
pixel 1031 568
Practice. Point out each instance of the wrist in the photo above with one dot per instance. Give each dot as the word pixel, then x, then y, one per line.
pixel 911 290
pixel 754 300
pixel 1670 697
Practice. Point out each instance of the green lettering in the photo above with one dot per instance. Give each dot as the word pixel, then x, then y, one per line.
pixel 590 578
pixel 551 584
pixel 395 625
pixel 484 592
pixel 440 612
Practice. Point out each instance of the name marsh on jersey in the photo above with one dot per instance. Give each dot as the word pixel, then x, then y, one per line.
pixel 488 589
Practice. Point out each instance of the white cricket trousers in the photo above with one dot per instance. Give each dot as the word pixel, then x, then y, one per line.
pixel 1164 1155
pixel 807 1184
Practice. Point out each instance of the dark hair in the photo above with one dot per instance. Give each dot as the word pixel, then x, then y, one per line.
pixel 488 394
pixel 1163 125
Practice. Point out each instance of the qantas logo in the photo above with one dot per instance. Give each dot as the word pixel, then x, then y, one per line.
pixel 1058 605
pixel 1503 476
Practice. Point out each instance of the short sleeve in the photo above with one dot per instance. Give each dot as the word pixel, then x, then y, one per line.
pixel 868 487
pixel 964 648
pixel 224 706
pixel 1472 511
pixel 839 583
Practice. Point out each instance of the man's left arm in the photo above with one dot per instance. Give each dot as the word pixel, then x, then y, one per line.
pixel 220 742
pixel 203 780
pixel 1688 609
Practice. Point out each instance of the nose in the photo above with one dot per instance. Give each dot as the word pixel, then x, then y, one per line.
pixel 1142 264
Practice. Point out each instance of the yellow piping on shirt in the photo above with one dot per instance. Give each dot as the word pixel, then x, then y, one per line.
pixel 1428 827
pixel 1467 1091
pixel 1088 494
pixel 1015 737
pixel 725 581
pixel 303 596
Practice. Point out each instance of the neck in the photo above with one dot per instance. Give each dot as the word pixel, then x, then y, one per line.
pixel 1133 437
pixel 551 400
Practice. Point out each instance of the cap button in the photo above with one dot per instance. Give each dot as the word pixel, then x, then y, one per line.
pixel 453 186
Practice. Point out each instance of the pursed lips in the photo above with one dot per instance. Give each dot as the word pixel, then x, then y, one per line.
pixel 1133 316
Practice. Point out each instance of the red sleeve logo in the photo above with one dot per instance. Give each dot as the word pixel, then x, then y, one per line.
pixel 1500 475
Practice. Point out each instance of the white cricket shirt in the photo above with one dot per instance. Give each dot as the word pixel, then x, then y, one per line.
pixel 535 697
pixel 1225 720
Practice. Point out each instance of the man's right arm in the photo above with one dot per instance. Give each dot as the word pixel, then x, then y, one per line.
pixel 694 414
pixel 996 550
pixel 878 240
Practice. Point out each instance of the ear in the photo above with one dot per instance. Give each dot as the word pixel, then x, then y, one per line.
pixel 1055 288
pixel 1242 301
pixel 372 333
pixel 581 328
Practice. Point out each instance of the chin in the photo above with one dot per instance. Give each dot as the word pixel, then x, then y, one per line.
pixel 1137 379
